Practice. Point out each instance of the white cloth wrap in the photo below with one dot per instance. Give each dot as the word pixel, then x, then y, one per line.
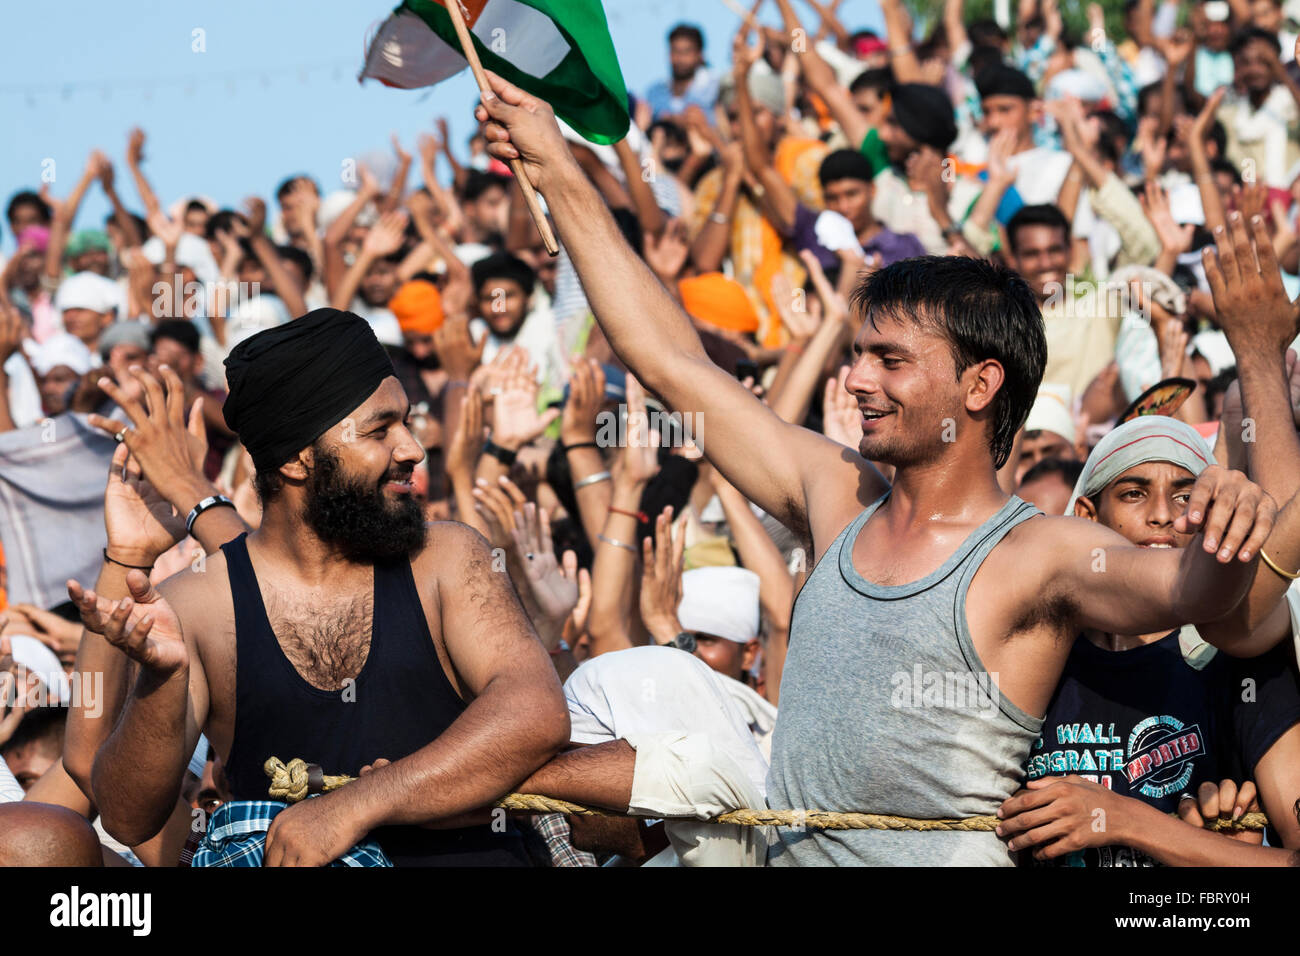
pixel 685 775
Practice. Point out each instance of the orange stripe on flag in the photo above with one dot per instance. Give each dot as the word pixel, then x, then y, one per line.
pixel 472 10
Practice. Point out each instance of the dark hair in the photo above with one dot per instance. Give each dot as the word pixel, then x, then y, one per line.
pixel 844 164
pixel 178 330
pixel 141 226
pixel 194 204
pixel 1217 135
pixel 28 198
pixel 1044 214
pixel 880 79
pixel 219 221
pixel 478 182
pixel 502 265
pixel 48 722
pixel 1069 471
pixel 283 189
pixel 982 57
pixel 985 33
pixel 1248 35
pixel 1114 138
pixel 673 132
pixel 298 258
pixel 1221 164
pixel 984 311
pixel 687 31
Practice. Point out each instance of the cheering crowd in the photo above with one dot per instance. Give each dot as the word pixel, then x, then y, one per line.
pixel 754 496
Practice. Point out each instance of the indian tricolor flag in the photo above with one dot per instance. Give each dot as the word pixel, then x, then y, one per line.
pixel 559 50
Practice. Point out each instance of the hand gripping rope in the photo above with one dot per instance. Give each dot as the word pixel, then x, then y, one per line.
pixel 298 779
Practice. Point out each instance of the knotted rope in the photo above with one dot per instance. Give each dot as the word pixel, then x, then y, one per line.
pixel 297 780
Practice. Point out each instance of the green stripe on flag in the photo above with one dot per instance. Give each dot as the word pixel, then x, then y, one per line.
pixel 586 88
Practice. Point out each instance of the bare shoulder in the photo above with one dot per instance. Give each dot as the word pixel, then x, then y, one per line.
pixel 452 552
pixel 837 490
pixel 199 589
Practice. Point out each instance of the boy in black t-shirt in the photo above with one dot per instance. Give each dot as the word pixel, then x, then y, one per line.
pixel 1140 725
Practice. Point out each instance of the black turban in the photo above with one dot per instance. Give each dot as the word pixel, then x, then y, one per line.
pixel 925 113
pixel 291 384
pixel 1002 80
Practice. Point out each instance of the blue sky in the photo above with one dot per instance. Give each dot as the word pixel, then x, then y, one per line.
pixel 274 92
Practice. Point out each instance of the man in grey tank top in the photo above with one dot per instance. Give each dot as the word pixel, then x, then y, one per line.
pixel 927 641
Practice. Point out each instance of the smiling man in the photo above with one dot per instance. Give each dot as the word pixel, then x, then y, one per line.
pixel 943 574
pixel 343 631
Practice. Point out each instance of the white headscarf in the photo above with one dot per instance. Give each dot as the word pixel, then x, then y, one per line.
pixel 1144 439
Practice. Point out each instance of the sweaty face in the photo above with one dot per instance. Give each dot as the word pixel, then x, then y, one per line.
pixel 359 489
pixel 851 198
pixel 905 383
pixel 502 305
pixel 1143 503
pixel 685 58
pixel 1041 257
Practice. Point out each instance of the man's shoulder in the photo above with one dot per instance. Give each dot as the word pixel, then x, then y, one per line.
pixel 453 549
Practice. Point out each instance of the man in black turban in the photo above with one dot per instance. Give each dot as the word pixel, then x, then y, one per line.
pixel 324 373
pixel 343 631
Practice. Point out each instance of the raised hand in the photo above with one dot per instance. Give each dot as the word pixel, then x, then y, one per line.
pixel 516 421
pixel 457 353
pixel 135 147
pixel 639 460
pixel 167 452
pixel 61 636
pixel 467 443
pixel 1235 514
pixel 12 331
pixel 666 254
pixel 387 235
pixel 143 625
pixel 841 418
pixel 167 230
pixel 586 396
pixel 800 321
pixel 255 212
pixel 518 125
pixel 553 583
pixel 661 577
pixel 1253 307
pixel 1172 236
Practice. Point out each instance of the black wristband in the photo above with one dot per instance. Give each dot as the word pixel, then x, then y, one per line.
pixel 212 501
pixel 581 444
pixel 503 455
pixel 123 564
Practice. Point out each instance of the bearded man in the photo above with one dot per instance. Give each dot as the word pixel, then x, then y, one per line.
pixel 343 631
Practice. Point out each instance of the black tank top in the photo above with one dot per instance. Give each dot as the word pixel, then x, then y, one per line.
pixel 401 701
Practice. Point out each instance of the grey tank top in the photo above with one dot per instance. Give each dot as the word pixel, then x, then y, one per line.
pixel 886 708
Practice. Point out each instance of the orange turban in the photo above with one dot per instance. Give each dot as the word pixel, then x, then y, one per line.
pixel 719 301
pixel 418 307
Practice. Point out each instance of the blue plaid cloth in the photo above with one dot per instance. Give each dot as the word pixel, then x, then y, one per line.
pixel 236 836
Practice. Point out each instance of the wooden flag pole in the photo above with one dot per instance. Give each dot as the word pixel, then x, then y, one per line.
pixel 516 165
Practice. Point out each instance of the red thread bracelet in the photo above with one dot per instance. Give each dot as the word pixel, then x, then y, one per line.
pixel 638 515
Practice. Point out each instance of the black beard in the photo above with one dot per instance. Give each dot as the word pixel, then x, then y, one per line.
pixel 357 519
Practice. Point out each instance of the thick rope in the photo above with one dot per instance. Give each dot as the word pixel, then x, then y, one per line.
pixel 289 782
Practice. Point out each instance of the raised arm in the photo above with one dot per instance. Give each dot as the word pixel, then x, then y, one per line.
pixel 819 76
pixel 134 157
pixel 778 197
pixel 771 462
pixel 1260 321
